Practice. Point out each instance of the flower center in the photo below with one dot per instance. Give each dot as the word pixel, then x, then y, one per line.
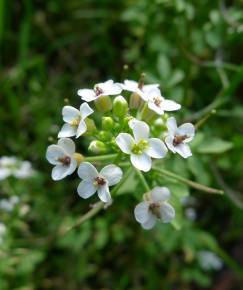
pixel 75 122
pixel 155 209
pixel 98 91
pixel 157 101
pixel 140 147
pixel 66 160
pixel 178 139
pixel 99 181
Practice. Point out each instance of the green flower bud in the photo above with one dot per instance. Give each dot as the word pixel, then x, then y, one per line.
pixel 91 128
pixel 107 123
pixel 97 147
pixel 120 106
pixel 104 135
pixel 103 104
pixel 135 101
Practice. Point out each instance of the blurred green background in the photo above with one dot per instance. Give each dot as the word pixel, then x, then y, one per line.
pixel 48 50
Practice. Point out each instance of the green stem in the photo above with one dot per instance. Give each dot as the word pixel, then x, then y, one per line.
pixel 143 180
pixel 189 182
pixel 100 157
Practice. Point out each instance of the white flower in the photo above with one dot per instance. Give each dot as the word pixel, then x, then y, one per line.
pixel 157 103
pixel 24 170
pixel 154 208
pixel 209 260
pixel 177 137
pixel 134 87
pixel 102 89
pixel 75 120
pixel 9 204
pixel 141 147
pixel 98 181
pixel 62 156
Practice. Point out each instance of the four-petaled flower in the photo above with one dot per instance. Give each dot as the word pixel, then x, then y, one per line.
pixel 155 207
pixel 102 89
pixel 178 137
pixel 98 181
pixel 62 156
pixel 75 120
pixel 159 104
pixel 135 87
pixel 141 147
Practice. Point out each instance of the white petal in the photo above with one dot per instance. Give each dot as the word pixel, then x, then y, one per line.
pixel 59 172
pixel 125 142
pixel 157 148
pixel 142 162
pixel 160 194
pixel 171 125
pixel 167 212
pixel 85 111
pixel 104 193
pixel 154 92
pixel 140 130
pixel 147 88
pixel 169 142
pixel 4 173
pixel 87 95
pixel 70 113
pixel 168 105
pixel 149 224
pixel 110 88
pixel 87 171
pixel 184 150
pixel 112 173
pixel 82 128
pixel 53 153
pixel 155 108
pixel 130 85
pixel 67 131
pixel 141 212
pixel 86 188
pixel 187 129
pixel 72 166
pixel 68 145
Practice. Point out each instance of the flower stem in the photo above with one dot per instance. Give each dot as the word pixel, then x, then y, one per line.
pixel 100 157
pixel 189 182
pixel 143 180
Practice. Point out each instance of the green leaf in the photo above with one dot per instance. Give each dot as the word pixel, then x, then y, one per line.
pixel 214 146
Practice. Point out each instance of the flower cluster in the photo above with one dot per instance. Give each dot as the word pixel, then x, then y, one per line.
pixel 121 134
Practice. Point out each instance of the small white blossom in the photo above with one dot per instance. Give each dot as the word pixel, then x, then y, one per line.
pixel 98 181
pixel 155 207
pixel 62 156
pixel 141 147
pixel 17 168
pixel 74 120
pixel 102 89
pixel 9 204
pixel 209 261
pixel 134 87
pixel 178 137
pixel 158 104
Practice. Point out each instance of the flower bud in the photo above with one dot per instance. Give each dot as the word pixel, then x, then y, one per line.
pixel 91 128
pixel 107 123
pixel 103 104
pixel 135 101
pixel 104 135
pixel 79 158
pixel 97 147
pixel 120 106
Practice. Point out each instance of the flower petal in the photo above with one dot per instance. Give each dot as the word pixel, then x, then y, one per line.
pixel 86 188
pixel 142 162
pixel 104 193
pixel 4 173
pixel 125 142
pixel 141 212
pixel 147 88
pixel 167 212
pixel 184 150
pixel 82 128
pixel 110 88
pixel 112 173
pixel 155 108
pixel 67 131
pixel 187 129
pixel 53 153
pixel 59 172
pixel 168 105
pixel 85 111
pixel 72 166
pixel 171 125
pixel 68 145
pixel 157 148
pixel 87 95
pixel 140 130
pixel 150 223
pixel 70 113
pixel 130 86
pixel 87 171
pixel 160 194
pixel 169 142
